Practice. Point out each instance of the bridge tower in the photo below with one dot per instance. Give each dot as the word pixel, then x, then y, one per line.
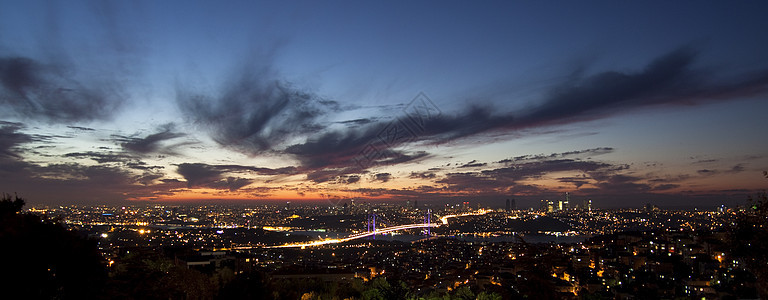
pixel 371 224
pixel 428 222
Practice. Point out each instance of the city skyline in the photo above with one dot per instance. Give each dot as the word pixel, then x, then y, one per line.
pixel 177 102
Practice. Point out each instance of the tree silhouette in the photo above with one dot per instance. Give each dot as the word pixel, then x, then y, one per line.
pixel 43 260
pixel 10 206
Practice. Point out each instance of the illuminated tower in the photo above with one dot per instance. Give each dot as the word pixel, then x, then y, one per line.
pixel 371 224
pixel 428 221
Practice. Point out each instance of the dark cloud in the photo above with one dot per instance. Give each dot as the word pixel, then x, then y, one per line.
pixel 668 80
pixel 512 178
pixel 671 179
pixel 114 158
pixel 399 157
pixel 152 143
pixel 10 138
pixel 49 92
pixel 576 153
pixel 711 172
pixel 199 174
pixel 589 152
pixel 260 191
pixel 355 151
pixel 205 175
pixel 501 179
pixel 148 177
pixel 335 153
pixel 473 164
pixel 349 179
pixel 422 175
pixel 330 174
pixel 81 128
pixel 230 183
pixel 705 161
pixel 254 110
pixel 76 183
pixel 383 177
pixel 664 187
pixel 615 184
pixel 358 122
pixel 339 148
pixel 140 165
pixel 70 82
pixel 733 170
pixel 102 157
pixel 576 181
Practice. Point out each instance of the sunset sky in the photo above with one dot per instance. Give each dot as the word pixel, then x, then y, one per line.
pixel 624 103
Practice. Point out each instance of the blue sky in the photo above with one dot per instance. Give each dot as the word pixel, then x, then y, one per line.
pixel 624 103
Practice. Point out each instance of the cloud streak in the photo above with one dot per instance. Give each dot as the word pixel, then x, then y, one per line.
pixel 254 111
pixel 670 79
pixel 45 91
pixel 152 143
pixel 212 176
pixel 10 138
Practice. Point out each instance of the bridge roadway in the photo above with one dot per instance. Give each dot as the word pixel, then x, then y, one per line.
pixel 443 220
pixel 357 235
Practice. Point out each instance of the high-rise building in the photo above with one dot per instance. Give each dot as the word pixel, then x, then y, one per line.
pixel 586 204
pixel 508 206
pixel 513 205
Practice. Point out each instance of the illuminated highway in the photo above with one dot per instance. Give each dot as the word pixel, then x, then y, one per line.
pixel 357 235
pixel 443 220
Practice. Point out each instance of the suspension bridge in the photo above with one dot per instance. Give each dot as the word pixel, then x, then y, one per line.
pixel 372 231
